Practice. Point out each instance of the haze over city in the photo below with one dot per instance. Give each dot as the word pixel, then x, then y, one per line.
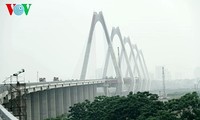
pixel 52 39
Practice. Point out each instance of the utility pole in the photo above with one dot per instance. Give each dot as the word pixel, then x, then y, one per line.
pixel 163 78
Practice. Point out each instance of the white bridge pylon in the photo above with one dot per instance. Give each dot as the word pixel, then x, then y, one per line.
pixel 116 31
pixel 134 85
pixel 138 81
pixel 146 71
pixel 99 18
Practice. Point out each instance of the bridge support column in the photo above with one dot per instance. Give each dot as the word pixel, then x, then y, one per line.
pixel 119 87
pixel 80 94
pixel 35 106
pixel 66 99
pixel 51 103
pixel 86 92
pixel 95 90
pixel 28 106
pixel 91 92
pixel 73 92
pixel 43 105
pixel 105 88
pixel 59 101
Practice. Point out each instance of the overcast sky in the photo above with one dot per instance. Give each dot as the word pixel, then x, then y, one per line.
pixel 52 38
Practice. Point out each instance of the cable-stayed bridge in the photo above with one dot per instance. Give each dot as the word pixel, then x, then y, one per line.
pixel 41 100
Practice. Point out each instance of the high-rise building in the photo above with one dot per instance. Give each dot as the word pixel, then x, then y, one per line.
pixel 197 72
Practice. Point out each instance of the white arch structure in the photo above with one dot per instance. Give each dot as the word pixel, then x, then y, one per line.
pixel 137 71
pixel 146 70
pixel 98 17
pixel 128 41
pixel 116 31
pixel 145 80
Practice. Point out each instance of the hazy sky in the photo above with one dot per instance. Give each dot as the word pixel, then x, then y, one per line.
pixel 52 38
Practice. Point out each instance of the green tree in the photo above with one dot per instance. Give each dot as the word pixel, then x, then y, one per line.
pixel 139 106
pixel 187 107
pixel 134 106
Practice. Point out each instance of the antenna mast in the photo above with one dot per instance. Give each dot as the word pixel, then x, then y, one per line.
pixel 163 78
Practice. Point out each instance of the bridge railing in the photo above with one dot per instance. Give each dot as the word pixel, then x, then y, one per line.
pixel 33 87
pixel 6 115
pixel 39 86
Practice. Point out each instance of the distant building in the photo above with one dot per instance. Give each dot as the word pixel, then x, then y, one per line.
pixel 197 72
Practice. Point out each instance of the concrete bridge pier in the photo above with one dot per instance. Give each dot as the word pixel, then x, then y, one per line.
pixel 105 89
pixel 59 101
pixel 51 103
pixel 80 94
pixel 28 106
pixel 66 99
pixel 91 92
pixel 35 106
pixel 86 92
pixel 43 105
pixel 95 90
pixel 73 93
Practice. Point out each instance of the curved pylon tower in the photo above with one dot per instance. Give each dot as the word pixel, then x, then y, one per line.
pixel 138 59
pixel 98 17
pixel 144 83
pixel 146 70
pixel 116 31
pixel 135 84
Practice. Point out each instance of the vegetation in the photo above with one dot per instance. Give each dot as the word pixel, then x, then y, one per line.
pixel 140 106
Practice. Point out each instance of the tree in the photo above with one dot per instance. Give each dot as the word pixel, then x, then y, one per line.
pixel 187 107
pixel 135 106
pixel 139 106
